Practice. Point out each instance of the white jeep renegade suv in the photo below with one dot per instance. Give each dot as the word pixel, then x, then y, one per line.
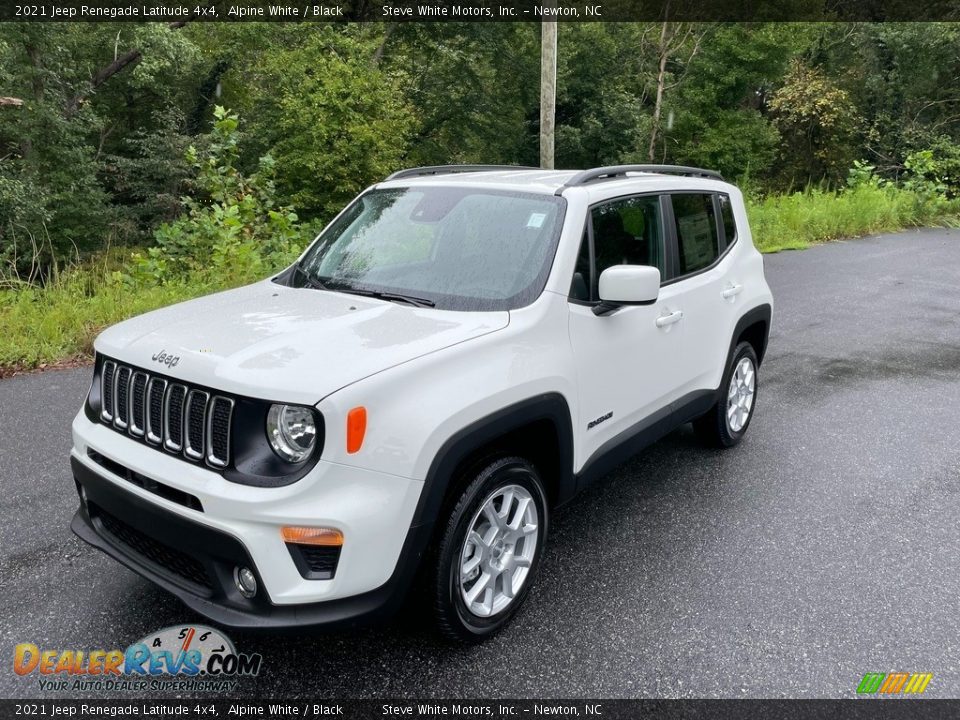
pixel 459 352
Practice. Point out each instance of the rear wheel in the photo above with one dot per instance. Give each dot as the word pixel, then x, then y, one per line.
pixel 725 424
pixel 490 550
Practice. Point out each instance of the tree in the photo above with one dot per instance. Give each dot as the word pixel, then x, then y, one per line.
pixel 721 112
pixel 602 116
pixel 902 79
pixel 334 120
pixel 473 89
pixel 673 40
pixel 234 229
pixel 72 110
pixel 817 122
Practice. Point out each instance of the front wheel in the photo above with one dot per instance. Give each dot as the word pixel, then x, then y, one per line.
pixel 725 424
pixel 490 550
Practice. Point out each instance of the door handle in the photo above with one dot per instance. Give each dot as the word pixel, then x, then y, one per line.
pixel 732 290
pixel 670 319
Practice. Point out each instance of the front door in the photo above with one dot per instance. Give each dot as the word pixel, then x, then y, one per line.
pixel 629 363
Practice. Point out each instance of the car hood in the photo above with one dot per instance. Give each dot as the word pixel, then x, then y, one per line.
pixel 289 344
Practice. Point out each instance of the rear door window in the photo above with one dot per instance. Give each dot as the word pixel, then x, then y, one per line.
pixel 698 243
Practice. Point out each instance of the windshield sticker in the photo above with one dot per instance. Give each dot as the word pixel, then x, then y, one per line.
pixel 536 220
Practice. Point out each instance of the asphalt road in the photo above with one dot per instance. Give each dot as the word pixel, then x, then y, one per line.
pixel 825 546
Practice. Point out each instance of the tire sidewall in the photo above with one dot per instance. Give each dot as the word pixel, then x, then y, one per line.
pixel 508 471
pixel 742 350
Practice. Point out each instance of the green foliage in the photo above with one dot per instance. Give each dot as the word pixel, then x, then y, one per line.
pixel 473 89
pixel 235 231
pixel 601 115
pixel 149 174
pixel 862 174
pixel 935 170
pixel 61 319
pixel 22 204
pixel 93 158
pixel 57 141
pixel 900 76
pixel 801 219
pixel 334 121
pixel 817 121
pixel 720 110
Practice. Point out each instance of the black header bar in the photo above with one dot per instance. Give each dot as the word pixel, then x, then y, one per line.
pixel 326 11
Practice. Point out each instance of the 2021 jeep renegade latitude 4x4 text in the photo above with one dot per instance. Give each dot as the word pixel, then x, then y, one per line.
pixel 458 353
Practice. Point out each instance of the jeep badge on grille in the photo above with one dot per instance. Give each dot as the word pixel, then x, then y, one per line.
pixel 167 359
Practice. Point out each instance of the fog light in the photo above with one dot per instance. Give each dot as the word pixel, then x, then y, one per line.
pixel 246 581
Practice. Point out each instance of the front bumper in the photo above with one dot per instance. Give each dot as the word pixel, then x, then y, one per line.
pixel 192 548
pixel 177 554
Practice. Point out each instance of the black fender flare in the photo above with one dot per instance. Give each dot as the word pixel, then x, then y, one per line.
pixel 760 313
pixel 552 407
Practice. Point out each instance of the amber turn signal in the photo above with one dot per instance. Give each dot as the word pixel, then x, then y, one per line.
pixel 356 428
pixel 312 536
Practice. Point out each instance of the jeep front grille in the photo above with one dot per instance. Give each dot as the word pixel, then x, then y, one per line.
pixel 175 417
pixel 121 415
pixel 106 414
pixel 196 419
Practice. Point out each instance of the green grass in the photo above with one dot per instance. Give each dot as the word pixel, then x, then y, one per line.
pixel 60 321
pixel 797 221
pixel 50 324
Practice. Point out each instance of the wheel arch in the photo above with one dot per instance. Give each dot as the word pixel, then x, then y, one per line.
pixel 754 328
pixel 539 429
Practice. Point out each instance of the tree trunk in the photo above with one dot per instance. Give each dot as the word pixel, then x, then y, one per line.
pixel 382 47
pixel 658 101
pixel 132 57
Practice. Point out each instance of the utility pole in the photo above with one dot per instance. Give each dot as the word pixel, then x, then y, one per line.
pixel 548 88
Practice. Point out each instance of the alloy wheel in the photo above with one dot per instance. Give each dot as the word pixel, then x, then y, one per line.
pixel 498 550
pixel 743 385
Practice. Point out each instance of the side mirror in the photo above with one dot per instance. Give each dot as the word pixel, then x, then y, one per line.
pixel 627 285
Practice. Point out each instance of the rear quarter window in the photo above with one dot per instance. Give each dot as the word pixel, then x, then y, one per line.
pixel 726 217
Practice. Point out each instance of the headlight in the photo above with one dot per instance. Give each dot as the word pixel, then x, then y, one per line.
pixel 292 431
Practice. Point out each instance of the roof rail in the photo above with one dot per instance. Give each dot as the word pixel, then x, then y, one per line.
pixel 449 169
pixel 614 171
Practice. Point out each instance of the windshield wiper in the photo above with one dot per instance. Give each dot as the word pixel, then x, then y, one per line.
pixel 309 280
pixel 381 295
pixel 400 297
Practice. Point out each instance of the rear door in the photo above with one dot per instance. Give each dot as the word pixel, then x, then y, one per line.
pixel 703 233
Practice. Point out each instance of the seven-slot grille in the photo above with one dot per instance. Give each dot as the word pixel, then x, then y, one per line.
pixel 166 414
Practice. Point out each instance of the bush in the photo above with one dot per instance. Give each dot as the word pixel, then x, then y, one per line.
pixel 935 170
pixel 234 232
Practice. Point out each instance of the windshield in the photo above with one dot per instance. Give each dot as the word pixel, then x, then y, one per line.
pixel 444 247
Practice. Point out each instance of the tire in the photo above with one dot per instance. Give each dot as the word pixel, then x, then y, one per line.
pixel 472 539
pixel 715 428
